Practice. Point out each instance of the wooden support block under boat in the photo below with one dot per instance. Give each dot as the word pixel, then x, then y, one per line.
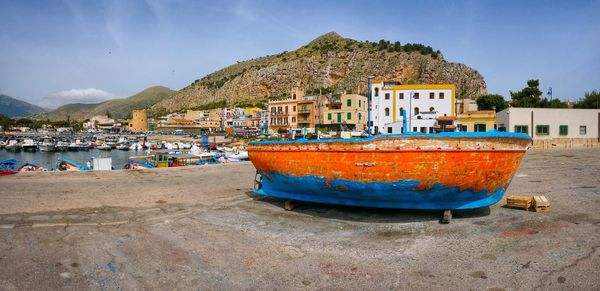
pixel 447 217
pixel 541 203
pixel 289 205
pixel 523 202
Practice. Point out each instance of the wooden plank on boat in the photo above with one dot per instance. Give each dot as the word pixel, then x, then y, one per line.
pixel 523 202
pixel 541 203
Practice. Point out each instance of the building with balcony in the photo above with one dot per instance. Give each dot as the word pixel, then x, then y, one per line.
pixel 346 112
pixel 423 104
pixel 283 113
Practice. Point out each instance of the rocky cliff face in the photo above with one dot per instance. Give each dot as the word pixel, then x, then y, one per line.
pixel 330 63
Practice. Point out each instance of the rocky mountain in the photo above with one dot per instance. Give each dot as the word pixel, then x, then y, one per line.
pixel 330 63
pixel 117 108
pixel 13 107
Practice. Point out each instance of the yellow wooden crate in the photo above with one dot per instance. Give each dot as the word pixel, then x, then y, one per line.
pixel 541 203
pixel 523 202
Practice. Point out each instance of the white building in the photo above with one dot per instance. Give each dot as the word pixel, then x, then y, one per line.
pixel 551 123
pixel 427 103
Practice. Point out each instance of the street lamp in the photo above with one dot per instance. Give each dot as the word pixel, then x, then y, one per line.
pixel 410 111
pixel 369 104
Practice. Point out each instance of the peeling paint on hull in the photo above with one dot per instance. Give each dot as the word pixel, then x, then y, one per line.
pixel 408 171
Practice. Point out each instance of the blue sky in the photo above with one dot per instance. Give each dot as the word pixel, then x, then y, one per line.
pixel 54 52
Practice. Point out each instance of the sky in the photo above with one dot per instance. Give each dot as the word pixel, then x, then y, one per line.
pixel 55 52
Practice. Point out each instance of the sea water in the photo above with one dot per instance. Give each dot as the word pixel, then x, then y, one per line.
pixel 48 160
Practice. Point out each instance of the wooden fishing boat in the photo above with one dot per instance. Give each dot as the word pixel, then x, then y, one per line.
pixel 7 167
pixel 68 165
pixel 449 170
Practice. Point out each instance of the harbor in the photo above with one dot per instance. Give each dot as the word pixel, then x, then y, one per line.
pixel 202 227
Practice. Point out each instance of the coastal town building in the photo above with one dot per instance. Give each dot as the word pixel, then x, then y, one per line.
pixel 102 122
pixel 139 120
pixel 552 125
pixel 422 104
pixel 283 113
pixel 470 119
pixel 346 112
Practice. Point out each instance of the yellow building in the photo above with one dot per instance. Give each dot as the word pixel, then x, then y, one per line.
pixel 283 113
pixel 348 111
pixel 139 121
pixel 476 121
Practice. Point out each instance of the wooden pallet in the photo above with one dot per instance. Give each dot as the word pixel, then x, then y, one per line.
pixel 523 202
pixel 541 203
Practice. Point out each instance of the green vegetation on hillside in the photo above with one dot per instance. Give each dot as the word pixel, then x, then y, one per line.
pixel 116 108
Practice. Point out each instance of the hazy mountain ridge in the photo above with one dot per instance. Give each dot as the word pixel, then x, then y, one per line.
pixel 117 108
pixel 329 62
pixel 13 107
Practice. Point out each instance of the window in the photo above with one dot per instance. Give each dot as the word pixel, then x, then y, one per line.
pixel 401 95
pixel 423 129
pixel 376 92
pixel 293 119
pixel 563 130
pixel 462 127
pixel 414 129
pixel 328 116
pixel 522 129
pixel 387 96
pixel 348 116
pixel 416 95
pixel 349 102
pixel 416 111
pixel 294 108
pixel 389 129
pixel 359 103
pixel 286 110
pixel 582 130
pixel 431 109
pixel 431 95
pixel 387 111
pixel 542 129
pixel 430 129
pixel 359 116
pixel 441 95
pixel 294 96
pixel 480 127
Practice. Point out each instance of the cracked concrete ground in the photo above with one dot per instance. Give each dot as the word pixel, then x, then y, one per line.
pixel 202 228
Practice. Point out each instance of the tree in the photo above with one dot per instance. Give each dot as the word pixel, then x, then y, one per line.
pixel 528 97
pixel 492 102
pixel 397 46
pixel 590 101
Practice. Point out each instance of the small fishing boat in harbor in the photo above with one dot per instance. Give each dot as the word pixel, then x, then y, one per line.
pixel 104 147
pixel 29 167
pixel 29 145
pixel 134 164
pixel 448 170
pixel 68 165
pixel 13 146
pixel 123 147
pixel 7 167
pixel 73 147
pixel 47 145
pixel 61 146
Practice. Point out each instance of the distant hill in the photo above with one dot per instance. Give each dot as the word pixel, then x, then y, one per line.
pixel 118 108
pixel 13 107
pixel 329 63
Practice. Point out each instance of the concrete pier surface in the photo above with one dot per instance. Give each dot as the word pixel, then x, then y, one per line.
pixel 202 228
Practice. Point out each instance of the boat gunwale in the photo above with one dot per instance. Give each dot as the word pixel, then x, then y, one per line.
pixel 452 135
pixel 391 151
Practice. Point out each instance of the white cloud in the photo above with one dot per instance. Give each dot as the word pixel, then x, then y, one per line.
pixel 89 95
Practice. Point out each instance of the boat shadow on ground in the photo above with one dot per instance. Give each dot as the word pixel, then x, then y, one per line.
pixel 369 215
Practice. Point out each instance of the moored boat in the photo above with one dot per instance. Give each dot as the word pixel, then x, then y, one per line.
pixel 104 147
pixel 73 147
pixel 46 146
pixel 29 145
pixel 13 146
pixel 450 170
pixel 29 167
pixel 7 167
pixel 68 165
pixel 123 147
